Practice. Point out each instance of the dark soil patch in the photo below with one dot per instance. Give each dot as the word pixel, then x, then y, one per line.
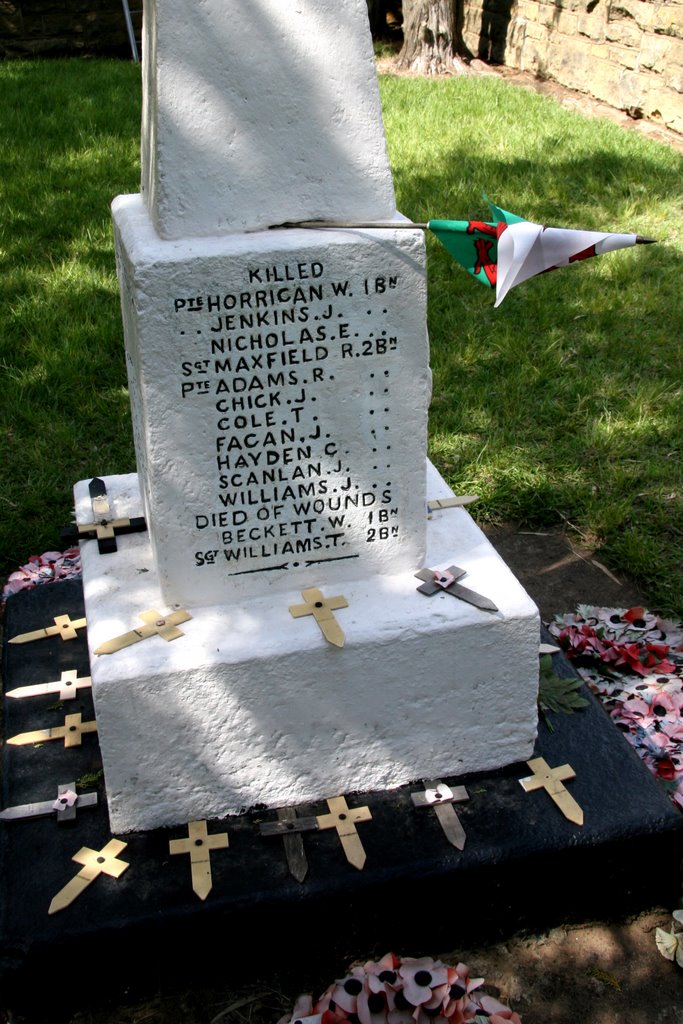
pixel 558 571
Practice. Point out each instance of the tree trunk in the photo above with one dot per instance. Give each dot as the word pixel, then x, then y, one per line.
pixel 432 37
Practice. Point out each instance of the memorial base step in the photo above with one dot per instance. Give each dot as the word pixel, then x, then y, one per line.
pixel 253 706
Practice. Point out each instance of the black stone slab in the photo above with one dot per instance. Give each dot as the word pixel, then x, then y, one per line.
pixel 524 864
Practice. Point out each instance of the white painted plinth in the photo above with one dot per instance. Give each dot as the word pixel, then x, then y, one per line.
pixel 279 386
pixel 253 706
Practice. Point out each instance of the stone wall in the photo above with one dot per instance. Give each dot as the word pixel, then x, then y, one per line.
pixel 37 28
pixel 628 53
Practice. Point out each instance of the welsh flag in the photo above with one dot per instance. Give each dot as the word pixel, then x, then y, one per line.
pixel 507 250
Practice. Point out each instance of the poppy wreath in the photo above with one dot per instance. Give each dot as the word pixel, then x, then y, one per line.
pixel 46 568
pixel 403 990
pixel 633 662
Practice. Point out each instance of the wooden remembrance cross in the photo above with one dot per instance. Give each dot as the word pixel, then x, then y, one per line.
pixel 95 862
pixel 199 845
pixel 551 780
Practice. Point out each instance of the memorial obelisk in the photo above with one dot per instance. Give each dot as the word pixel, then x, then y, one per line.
pixel 279 383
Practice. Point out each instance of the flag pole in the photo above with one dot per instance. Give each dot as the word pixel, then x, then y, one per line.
pixel 405 225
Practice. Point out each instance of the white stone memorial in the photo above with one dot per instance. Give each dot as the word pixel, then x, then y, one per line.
pixel 259 113
pixel 279 384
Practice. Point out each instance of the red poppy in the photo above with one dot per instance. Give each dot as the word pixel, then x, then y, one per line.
pixel 666 769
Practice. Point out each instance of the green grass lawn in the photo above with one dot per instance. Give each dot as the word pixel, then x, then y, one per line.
pixel 562 405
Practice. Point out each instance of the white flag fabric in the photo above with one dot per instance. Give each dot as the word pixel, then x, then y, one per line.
pixel 526 249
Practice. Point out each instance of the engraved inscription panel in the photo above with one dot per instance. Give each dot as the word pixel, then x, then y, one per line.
pixel 293 401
